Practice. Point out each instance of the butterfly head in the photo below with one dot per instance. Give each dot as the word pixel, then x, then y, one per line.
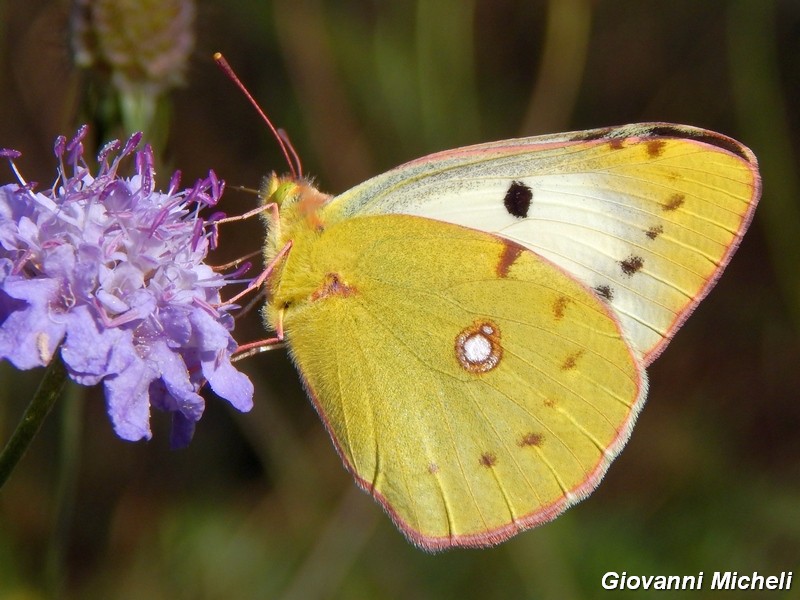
pixel 298 218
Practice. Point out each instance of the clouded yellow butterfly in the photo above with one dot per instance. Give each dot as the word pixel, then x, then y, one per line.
pixel 473 327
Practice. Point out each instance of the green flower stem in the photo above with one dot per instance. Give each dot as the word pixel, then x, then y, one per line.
pixel 42 402
pixel 71 409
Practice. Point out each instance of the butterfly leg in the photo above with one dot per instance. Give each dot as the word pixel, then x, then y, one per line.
pixel 272 207
pixel 259 346
pixel 259 281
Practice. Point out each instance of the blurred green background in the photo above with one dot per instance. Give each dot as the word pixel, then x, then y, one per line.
pixel 259 506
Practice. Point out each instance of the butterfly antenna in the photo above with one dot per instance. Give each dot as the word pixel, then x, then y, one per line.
pixel 285 135
pixel 287 149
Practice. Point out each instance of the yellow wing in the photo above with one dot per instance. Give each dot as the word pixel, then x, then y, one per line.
pixel 647 215
pixel 471 386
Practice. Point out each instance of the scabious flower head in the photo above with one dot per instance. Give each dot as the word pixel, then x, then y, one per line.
pixel 140 43
pixel 111 273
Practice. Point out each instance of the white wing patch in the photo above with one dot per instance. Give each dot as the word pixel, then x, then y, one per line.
pixel 646 215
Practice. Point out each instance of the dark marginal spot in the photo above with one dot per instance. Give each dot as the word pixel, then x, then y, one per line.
pixel 674 203
pixel 592 134
pixel 518 199
pixel 616 143
pixel 531 439
pixel 654 231
pixel 488 459
pixel 631 265
pixel 704 137
pixel 559 306
pixel 571 361
pixel 670 131
pixel 332 286
pixel 655 148
pixel 605 291
pixel 511 251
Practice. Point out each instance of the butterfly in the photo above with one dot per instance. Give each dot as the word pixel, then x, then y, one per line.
pixel 473 327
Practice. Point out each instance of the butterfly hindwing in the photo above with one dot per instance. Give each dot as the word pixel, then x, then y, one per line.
pixel 474 388
pixel 646 215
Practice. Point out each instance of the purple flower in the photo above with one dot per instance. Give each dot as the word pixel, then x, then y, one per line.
pixel 112 273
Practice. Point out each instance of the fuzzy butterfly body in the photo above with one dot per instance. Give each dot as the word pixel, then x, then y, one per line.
pixel 473 326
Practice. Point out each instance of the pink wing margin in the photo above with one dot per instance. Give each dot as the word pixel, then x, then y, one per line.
pixel 737 150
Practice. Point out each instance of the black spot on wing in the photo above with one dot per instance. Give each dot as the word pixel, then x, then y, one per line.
pixel 654 231
pixel 531 439
pixel 572 360
pixel 631 265
pixel 488 459
pixel 518 199
pixel 605 291
pixel 674 202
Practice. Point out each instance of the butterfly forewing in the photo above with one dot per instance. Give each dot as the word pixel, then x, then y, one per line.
pixel 472 386
pixel 645 215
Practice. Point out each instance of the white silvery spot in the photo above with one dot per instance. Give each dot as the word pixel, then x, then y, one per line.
pixel 477 348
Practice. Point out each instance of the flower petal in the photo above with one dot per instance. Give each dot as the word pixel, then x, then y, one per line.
pixel 182 431
pixel 29 333
pixel 179 392
pixel 230 384
pixel 128 400
pixel 88 350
